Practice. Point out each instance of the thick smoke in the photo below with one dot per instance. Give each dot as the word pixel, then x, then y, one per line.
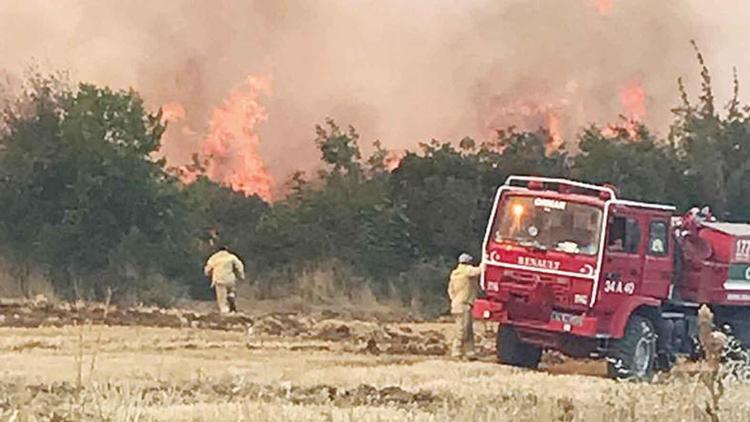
pixel 399 71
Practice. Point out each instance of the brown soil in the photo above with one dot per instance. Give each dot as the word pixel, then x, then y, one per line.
pixel 365 336
pixel 355 335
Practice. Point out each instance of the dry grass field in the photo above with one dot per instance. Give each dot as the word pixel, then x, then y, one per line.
pixel 315 368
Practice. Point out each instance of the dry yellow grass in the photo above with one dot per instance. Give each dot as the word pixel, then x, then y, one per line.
pixel 132 373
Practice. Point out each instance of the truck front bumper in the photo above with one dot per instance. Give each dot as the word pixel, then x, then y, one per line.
pixel 559 322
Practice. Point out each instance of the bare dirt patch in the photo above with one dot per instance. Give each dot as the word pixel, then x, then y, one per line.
pixel 367 336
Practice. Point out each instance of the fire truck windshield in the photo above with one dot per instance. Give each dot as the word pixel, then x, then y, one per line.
pixel 548 224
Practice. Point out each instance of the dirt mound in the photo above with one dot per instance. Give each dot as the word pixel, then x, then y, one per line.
pixel 401 340
pixel 278 324
pixel 366 336
pixel 358 335
pixel 35 314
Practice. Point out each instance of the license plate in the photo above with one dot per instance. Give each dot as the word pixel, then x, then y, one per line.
pixel 569 319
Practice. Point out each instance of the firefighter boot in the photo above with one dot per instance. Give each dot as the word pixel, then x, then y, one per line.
pixel 231 300
pixel 469 352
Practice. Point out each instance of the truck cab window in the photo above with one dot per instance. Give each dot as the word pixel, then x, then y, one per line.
pixel 658 238
pixel 624 235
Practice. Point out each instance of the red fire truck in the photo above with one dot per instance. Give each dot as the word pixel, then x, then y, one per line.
pixel 570 266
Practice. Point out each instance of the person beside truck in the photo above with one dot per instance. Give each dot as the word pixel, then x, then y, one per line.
pixel 462 290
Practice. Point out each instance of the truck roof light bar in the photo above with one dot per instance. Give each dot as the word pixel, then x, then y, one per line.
pixel 536 182
pixel 645 205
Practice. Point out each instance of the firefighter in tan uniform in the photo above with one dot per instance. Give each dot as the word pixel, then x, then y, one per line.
pixel 224 268
pixel 462 290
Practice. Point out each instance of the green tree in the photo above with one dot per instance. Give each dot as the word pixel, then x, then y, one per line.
pixel 438 191
pixel 715 149
pixel 230 217
pixel 79 175
pixel 29 144
pixel 639 164
pixel 339 149
pixel 524 153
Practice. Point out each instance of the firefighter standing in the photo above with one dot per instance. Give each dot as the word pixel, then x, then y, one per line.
pixel 224 268
pixel 462 290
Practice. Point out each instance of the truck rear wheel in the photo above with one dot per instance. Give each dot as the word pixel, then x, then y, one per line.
pixel 633 356
pixel 512 351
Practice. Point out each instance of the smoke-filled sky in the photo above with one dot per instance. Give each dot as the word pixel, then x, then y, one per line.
pixel 399 71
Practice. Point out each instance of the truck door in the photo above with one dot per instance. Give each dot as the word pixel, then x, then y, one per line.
pixel 623 258
pixel 657 266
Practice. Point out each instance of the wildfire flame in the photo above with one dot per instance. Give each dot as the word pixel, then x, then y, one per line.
pixel 633 99
pixel 555 133
pixel 228 154
pixel 173 112
pixel 232 143
pixel 604 7
pixel 525 115
pixel 393 159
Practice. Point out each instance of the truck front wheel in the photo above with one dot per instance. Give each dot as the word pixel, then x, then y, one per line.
pixel 512 351
pixel 633 356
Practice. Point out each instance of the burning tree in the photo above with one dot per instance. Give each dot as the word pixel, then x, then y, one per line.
pixel 228 154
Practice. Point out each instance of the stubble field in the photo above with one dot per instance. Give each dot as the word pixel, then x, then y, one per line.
pixel 180 366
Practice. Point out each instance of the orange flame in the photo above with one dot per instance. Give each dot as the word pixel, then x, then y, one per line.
pixel 633 99
pixel 525 115
pixel 228 154
pixel 231 146
pixel 604 7
pixel 555 133
pixel 173 112
pixel 393 159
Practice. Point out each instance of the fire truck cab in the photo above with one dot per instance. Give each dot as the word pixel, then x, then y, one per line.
pixel 570 266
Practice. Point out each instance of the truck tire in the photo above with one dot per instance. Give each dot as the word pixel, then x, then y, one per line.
pixel 739 328
pixel 633 356
pixel 512 351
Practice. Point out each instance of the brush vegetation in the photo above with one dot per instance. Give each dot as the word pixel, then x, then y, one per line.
pixel 87 204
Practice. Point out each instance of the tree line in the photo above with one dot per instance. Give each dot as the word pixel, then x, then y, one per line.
pixel 84 199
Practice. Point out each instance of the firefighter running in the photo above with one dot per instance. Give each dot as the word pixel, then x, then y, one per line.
pixel 224 268
pixel 462 290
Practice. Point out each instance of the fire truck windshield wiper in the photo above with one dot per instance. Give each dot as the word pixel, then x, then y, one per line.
pixel 534 245
pixel 509 240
